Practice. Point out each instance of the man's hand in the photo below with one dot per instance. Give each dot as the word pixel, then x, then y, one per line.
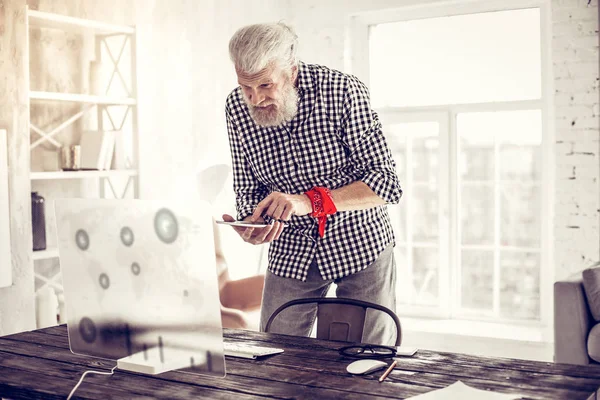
pixel 257 235
pixel 282 206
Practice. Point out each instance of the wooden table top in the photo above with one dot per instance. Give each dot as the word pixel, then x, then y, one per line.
pixel 39 364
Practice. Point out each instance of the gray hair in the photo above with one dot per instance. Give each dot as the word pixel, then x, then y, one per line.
pixel 253 47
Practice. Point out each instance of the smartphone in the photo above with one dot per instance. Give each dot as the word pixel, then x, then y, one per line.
pixel 406 351
pixel 244 224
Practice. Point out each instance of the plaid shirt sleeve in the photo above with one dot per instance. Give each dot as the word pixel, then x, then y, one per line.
pixel 249 191
pixel 369 152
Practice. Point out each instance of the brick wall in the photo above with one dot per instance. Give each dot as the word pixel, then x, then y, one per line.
pixel 577 149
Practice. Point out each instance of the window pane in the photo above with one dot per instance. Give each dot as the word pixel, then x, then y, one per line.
pixel 417 144
pixel 426 276
pixel 398 217
pixel 424 201
pixel 400 160
pixel 470 58
pixel 417 283
pixel 396 139
pixel 520 162
pixel 476 158
pixel 425 157
pixel 404 286
pixel 422 140
pixel 520 285
pixel 477 214
pixel 477 280
pixel 518 136
pixel 397 142
pixel 415 148
pixel 520 217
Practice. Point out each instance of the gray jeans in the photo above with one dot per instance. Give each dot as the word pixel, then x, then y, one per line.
pixel 375 284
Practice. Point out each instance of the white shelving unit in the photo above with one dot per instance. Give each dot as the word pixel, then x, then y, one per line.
pixel 40 19
pixel 36 176
pixel 97 36
pixel 45 254
pixel 80 98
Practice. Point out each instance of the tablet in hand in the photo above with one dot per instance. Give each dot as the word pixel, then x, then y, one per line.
pixel 244 224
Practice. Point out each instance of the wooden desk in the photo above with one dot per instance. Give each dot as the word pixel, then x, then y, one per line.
pixel 38 364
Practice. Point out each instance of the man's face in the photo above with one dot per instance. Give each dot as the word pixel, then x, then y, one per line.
pixel 270 95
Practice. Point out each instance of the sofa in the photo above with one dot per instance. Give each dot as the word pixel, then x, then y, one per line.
pixel 577 318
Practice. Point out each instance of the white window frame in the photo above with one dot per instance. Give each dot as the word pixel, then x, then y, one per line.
pixel 358 44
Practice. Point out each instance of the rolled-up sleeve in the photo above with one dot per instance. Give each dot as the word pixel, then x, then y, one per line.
pixel 369 152
pixel 248 190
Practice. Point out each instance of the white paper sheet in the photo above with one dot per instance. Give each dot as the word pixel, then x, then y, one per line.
pixel 459 390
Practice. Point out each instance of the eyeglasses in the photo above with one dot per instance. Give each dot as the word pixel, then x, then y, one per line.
pixel 368 351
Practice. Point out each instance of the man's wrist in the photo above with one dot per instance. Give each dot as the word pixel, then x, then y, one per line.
pixel 307 201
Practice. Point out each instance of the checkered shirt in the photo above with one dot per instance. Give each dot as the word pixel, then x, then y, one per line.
pixel 334 140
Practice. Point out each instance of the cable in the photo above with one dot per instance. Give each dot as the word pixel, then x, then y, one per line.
pixel 112 371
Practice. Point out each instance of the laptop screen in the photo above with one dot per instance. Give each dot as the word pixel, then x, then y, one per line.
pixel 140 283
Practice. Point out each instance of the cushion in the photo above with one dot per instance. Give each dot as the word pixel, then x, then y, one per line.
pixel 593 343
pixel 591 285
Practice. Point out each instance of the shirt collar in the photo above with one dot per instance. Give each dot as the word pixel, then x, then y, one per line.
pixel 305 80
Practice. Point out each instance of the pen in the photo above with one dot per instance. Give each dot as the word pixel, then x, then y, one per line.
pixel 387 371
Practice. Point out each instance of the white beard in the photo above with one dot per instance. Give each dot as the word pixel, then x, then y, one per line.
pixel 279 111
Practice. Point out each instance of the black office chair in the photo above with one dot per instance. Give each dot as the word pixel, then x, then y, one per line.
pixel 340 318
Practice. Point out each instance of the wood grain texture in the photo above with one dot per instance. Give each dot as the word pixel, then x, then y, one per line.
pixel 308 368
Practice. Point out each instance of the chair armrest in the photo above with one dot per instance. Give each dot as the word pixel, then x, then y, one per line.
pixel 243 294
pixel 572 322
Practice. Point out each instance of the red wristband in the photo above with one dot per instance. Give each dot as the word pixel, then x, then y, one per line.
pixel 322 205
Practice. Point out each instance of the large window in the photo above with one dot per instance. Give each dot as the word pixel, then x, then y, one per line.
pixel 462 100
pixel 475 58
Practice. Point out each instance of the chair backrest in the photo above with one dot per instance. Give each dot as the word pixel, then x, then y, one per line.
pixel 340 318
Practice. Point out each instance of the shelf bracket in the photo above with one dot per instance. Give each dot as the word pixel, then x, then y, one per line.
pixel 126 187
pixel 48 136
pixel 49 281
pixel 114 192
pixel 112 122
pixel 116 70
pixel 112 189
pixel 110 119
pixel 44 137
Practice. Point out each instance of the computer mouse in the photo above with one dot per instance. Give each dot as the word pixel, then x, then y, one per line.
pixel 365 366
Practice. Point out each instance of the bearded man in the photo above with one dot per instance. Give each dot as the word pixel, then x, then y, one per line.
pixel 309 158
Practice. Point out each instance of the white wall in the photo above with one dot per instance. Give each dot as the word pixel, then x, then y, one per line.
pixel 182 100
pixel 184 77
pixel 5 251
pixel 321 27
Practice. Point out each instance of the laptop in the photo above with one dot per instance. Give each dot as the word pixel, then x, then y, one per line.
pixel 140 283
